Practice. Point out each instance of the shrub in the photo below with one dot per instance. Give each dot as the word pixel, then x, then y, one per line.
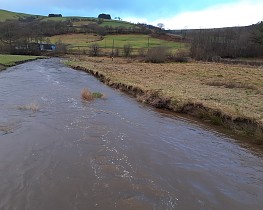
pixel 181 55
pixel 141 52
pixel 116 52
pixel 216 58
pixel 94 50
pixel 157 54
pixel 127 49
pixel 61 48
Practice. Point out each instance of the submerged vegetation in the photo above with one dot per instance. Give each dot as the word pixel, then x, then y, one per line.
pixel 97 95
pixel 87 95
pixel 34 107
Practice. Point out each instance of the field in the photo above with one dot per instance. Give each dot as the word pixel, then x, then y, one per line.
pixel 54 19
pixel 76 40
pixel 11 60
pixel 232 90
pixel 116 23
pixel 82 22
pixel 136 41
pixel 6 15
pixel 84 41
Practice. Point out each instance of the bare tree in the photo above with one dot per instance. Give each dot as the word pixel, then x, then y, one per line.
pixel 257 34
pixel 160 25
pixel 94 49
pixel 157 54
pixel 127 49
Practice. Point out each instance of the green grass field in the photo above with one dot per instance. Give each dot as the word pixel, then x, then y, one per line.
pixel 54 19
pixel 116 23
pixel 75 40
pixel 11 60
pixel 137 41
pixel 7 15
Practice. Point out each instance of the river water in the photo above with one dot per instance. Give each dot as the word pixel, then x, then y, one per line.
pixel 58 152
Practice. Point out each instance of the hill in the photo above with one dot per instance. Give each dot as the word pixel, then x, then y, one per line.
pixel 7 15
pixel 81 33
pixel 76 21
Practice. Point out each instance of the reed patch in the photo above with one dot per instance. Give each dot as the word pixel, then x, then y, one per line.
pixel 34 107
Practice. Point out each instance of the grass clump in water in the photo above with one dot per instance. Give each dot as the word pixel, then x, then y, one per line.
pixel 97 95
pixel 87 95
pixel 33 107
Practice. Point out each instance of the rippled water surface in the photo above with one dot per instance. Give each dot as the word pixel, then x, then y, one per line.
pixel 59 152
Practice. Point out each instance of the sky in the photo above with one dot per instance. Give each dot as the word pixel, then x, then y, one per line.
pixel 174 14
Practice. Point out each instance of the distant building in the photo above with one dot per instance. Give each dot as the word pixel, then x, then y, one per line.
pixel 47 47
pixel 54 15
pixel 35 47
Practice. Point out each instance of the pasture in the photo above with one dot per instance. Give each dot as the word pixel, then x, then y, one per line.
pixel 7 15
pixel 77 42
pixel 11 60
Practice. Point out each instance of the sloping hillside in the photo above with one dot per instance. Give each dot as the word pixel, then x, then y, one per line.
pixel 7 15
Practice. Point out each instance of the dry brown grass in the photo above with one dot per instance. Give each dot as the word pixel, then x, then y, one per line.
pixel 86 94
pixel 34 107
pixel 9 127
pixel 5 129
pixel 235 90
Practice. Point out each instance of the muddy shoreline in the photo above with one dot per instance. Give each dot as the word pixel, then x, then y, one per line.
pixel 240 125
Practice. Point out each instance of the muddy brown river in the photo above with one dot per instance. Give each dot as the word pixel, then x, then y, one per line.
pixel 58 152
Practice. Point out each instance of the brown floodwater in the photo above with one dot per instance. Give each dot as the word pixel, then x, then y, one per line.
pixel 58 152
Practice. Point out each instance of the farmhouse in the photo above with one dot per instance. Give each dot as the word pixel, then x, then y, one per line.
pixel 47 47
pixel 33 48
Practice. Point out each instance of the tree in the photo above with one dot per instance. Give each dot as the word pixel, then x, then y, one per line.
pixel 94 49
pixel 11 33
pixel 157 54
pixel 61 48
pixel 257 34
pixel 127 49
pixel 104 16
pixel 161 26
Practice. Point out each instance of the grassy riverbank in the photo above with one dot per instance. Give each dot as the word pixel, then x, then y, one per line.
pixel 12 60
pixel 226 95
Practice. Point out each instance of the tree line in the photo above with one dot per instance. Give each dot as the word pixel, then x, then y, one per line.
pixel 213 44
pixel 206 44
pixel 15 34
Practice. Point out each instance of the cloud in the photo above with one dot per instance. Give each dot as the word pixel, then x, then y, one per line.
pixel 236 14
pixel 88 7
pixel 174 14
pixel 150 9
pixel 136 20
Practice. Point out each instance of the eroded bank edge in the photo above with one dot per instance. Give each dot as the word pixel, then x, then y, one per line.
pixel 240 125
